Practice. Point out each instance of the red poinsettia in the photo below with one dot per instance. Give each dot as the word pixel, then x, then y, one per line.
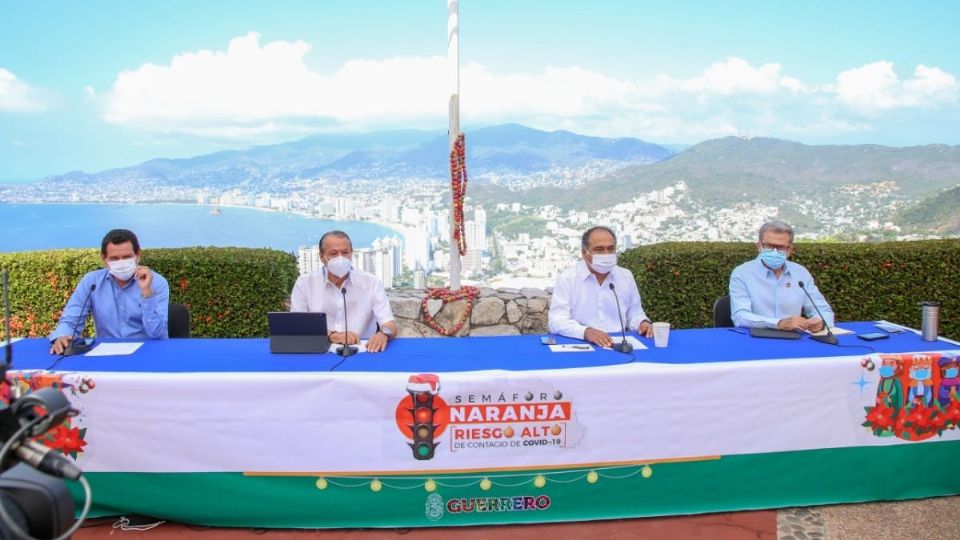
pixel 72 441
pixel 880 418
pixel 952 413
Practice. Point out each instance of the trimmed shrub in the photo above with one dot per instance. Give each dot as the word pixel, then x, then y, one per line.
pixel 679 281
pixel 227 290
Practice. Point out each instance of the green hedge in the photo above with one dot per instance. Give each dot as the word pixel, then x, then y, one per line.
pixel 228 290
pixel 679 281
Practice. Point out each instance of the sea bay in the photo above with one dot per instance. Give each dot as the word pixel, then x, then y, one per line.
pixel 29 227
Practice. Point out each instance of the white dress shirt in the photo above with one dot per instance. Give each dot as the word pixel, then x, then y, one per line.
pixel 580 301
pixel 367 303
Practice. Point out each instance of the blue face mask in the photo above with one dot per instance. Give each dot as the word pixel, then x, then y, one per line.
pixel 773 258
pixel 886 371
pixel 920 374
pixel 951 373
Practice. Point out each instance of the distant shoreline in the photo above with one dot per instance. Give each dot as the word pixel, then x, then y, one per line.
pixel 396 228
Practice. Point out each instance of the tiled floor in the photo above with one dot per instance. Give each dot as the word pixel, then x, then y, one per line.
pixel 925 518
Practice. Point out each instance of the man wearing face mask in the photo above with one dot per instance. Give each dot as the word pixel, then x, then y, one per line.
pixel 765 292
pixel 584 307
pixel 367 308
pixel 128 301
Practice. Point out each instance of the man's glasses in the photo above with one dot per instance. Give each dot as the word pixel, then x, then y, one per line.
pixel 781 249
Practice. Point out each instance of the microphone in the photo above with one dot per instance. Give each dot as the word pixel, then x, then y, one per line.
pixel 829 339
pixel 345 349
pixel 623 346
pixel 76 347
pixel 47 460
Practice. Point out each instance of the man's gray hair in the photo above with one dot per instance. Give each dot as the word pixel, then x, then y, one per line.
pixel 775 227
pixel 585 239
pixel 336 234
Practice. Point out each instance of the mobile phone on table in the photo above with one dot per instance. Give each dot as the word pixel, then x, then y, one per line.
pixel 547 340
pixel 873 336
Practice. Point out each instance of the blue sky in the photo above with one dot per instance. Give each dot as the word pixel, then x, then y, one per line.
pixel 96 85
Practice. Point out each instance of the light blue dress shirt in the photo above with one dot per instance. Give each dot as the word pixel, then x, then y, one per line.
pixel 759 299
pixel 118 312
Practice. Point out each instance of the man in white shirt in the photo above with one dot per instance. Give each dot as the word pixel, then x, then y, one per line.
pixel 338 283
pixel 584 305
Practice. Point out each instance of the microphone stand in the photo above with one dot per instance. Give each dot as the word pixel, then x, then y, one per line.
pixel 345 349
pixel 829 339
pixel 8 353
pixel 76 347
pixel 623 346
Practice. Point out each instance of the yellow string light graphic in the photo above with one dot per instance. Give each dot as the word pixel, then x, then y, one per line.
pixel 485 483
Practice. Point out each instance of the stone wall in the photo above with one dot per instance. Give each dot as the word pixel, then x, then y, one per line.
pixel 497 312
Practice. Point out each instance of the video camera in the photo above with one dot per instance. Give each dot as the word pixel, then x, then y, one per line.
pixel 34 504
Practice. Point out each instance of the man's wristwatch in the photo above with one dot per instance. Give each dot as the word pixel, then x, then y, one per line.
pixel 385 330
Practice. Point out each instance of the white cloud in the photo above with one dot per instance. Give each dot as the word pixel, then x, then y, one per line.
pixel 737 76
pixel 876 86
pixel 18 96
pixel 253 91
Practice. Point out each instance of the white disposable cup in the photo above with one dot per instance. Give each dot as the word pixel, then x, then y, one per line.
pixel 661 334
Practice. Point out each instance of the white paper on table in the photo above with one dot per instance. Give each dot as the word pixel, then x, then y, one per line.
pixel 637 344
pixel 14 340
pixel 571 347
pixel 836 330
pixel 361 347
pixel 115 349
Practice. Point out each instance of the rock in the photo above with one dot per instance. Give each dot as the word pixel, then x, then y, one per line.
pixel 536 305
pixel 425 331
pixel 509 296
pixel 414 329
pixel 530 292
pixel 535 323
pixel 521 301
pixel 513 313
pixel 508 290
pixel 486 292
pixel 406 308
pixel 487 311
pixel 450 314
pixel 433 306
pixel 496 330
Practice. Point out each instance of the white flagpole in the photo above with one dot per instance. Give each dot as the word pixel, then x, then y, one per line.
pixel 453 60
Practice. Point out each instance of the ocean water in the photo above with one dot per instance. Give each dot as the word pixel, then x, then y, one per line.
pixel 28 227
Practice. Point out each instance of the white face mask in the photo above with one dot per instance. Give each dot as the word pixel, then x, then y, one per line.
pixel 339 266
pixel 123 269
pixel 604 263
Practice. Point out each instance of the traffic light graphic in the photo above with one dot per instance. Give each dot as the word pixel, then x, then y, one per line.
pixel 422 390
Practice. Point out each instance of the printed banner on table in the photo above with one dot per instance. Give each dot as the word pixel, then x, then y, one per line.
pixel 401 423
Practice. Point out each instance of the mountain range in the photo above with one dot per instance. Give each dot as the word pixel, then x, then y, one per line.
pixel 509 149
pixel 919 186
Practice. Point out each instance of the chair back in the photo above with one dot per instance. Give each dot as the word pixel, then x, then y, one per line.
pixel 721 313
pixel 178 320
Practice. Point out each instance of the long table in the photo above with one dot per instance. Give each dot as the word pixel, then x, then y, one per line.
pixel 491 430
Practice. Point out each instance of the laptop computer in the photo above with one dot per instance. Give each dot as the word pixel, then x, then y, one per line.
pixel 774 333
pixel 298 332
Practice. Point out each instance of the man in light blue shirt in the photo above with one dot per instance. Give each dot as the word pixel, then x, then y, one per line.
pixel 766 292
pixel 128 301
